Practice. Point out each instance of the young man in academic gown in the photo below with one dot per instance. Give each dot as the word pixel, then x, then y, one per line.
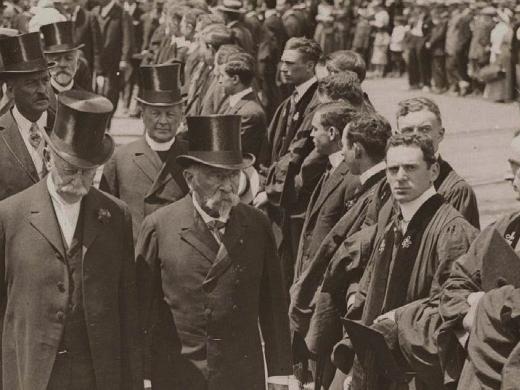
pixel 209 275
pixel 26 72
pixel 69 304
pixel 411 258
pixel 491 350
pixel 59 48
pixel 145 173
pixel 422 115
pixel 318 295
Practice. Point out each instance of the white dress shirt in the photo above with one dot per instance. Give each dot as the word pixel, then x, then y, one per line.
pixel 24 126
pixel 380 166
pixel 335 159
pixel 67 214
pixel 409 209
pixel 235 98
pixel 304 87
pixel 158 146
pixel 107 8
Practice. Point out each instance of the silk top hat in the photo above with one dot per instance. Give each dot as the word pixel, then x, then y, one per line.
pixel 160 84
pixel 233 6
pixel 59 37
pixel 23 54
pixel 214 140
pixel 78 135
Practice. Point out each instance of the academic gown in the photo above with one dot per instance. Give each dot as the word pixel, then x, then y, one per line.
pixel 465 279
pixel 408 270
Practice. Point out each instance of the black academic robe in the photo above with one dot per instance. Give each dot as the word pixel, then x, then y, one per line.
pixel 408 270
pixel 466 278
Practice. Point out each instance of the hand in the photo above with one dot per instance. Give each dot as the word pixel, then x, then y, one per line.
pixel 428 45
pixel 469 318
pixel 260 200
pixel 387 316
pixel 123 65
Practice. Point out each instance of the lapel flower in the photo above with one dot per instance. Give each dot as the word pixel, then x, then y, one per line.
pixel 407 242
pixel 103 216
pixel 296 116
pixel 510 238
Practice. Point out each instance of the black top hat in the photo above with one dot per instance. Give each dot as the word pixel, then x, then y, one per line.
pixel 23 54
pixel 79 134
pixel 214 140
pixel 231 6
pixel 59 37
pixel 160 84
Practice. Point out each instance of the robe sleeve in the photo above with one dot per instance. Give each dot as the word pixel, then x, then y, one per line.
pixel 419 321
pixel 463 199
pixel 109 182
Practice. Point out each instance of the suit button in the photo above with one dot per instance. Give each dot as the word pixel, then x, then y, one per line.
pixel 237 282
pixel 60 316
pixel 235 307
pixel 207 312
pixel 61 287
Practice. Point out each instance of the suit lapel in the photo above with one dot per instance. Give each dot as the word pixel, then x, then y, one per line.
pixel 330 185
pixel 12 138
pixel 147 160
pixel 43 217
pixel 92 227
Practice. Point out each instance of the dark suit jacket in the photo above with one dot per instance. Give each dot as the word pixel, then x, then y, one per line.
pixel 254 126
pixel 116 38
pixel 17 170
pixel 243 37
pixel 33 307
pixel 87 32
pixel 216 300
pixel 136 175
pixel 137 24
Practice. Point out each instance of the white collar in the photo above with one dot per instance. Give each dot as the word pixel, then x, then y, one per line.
pixel 205 216
pixel 24 123
pixel 380 166
pixel 232 23
pixel 235 98
pixel 107 8
pixel 51 187
pixel 335 159
pixel 61 88
pixel 304 87
pixel 130 8
pixel 158 146
pixel 270 12
pixel 409 209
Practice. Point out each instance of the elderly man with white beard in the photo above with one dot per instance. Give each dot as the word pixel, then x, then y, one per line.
pixel 208 274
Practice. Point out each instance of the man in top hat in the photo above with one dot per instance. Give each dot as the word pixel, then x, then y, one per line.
pixel 209 274
pixel 232 12
pixel 59 47
pixel 144 173
pixel 26 72
pixel 69 314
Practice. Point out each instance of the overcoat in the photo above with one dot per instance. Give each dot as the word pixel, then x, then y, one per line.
pixel 136 175
pixel 87 32
pixel 35 280
pixel 215 299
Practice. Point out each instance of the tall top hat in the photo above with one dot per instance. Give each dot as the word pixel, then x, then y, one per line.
pixel 78 135
pixel 59 37
pixel 214 140
pixel 23 54
pixel 160 84
pixel 233 6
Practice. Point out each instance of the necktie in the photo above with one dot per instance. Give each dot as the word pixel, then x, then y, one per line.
pixel 292 108
pixel 35 138
pixel 216 227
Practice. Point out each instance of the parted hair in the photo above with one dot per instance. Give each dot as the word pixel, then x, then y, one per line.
pixel 418 104
pixel 343 60
pixel 241 65
pixel 342 86
pixel 308 48
pixel 336 114
pixel 372 131
pixel 421 141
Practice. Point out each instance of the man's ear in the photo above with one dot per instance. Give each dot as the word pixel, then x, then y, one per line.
pixel 435 170
pixel 333 133
pixel 47 157
pixel 358 150
pixel 188 176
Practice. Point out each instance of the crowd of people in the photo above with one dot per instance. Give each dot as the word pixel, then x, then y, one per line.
pixel 268 224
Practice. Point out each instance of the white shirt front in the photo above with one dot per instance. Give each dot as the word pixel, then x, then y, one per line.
pixel 409 209
pixel 380 166
pixel 304 87
pixel 158 146
pixel 107 8
pixel 24 126
pixel 130 8
pixel 335 159
pixel 235 98
pixel 208 218
pixel 67 214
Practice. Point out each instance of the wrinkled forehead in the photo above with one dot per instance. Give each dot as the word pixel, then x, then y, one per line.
pixel 404 155
pixel 291 56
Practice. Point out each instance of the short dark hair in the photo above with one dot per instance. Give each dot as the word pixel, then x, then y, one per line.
pixel 372 131
pixel 418 104
pixel 344 86
pixel 241 65
pixel 421 141
pixel 343 60
pixel 308 48
pixel 335 114
pixel 270 4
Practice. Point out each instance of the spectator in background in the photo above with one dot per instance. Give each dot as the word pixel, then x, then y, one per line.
pixel 419 56
pixel 436 44
pixel 380 51
pixel 397 64
pixel 480 45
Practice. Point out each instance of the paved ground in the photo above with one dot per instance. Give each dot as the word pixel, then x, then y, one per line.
pixel 478 134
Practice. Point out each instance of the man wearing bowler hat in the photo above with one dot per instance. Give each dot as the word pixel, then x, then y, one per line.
pixel 69 306
pixel 208 274
pixel 26 72
pixel 59 47
pixel 144 173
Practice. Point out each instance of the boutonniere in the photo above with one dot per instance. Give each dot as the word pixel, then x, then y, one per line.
pixel 103 216
pixel 382 247
pixel 296 116
pixel 407 242
pixel 510 238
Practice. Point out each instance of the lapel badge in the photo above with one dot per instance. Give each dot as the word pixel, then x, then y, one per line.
pixel 103 216
pixel 382 246
pixel 510 238
pixel 406 242
pixel 349 204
